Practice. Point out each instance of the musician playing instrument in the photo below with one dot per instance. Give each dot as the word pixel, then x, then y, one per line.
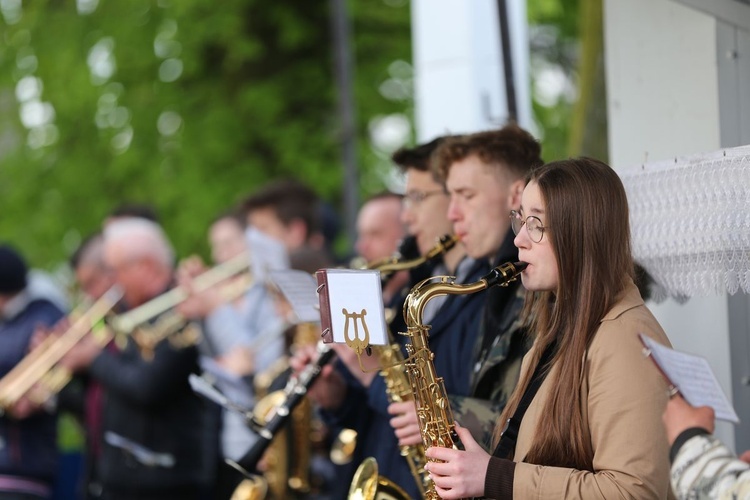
pixel 230 329
pixel 156 442
pixel 454 320
pixel 484 173
pixel 28 445
pixel 586 415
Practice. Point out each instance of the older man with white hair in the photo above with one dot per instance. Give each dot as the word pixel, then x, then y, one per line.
pixel 154 441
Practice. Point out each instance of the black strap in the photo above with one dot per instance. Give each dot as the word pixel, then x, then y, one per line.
pixel 507 444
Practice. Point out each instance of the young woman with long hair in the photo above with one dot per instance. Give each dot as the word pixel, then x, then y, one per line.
pixel 587 409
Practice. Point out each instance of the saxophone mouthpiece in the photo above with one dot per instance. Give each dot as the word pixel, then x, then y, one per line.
pixel 504 274
pixel 520 266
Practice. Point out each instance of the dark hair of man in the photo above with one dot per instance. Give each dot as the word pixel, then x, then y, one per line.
pixel 135 210
pixel 418 157
pixel 510 147
pixel 290 200
pixel 90 246
pixel 589 230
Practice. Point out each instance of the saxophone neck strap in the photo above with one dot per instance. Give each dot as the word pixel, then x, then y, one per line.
pixel 507 445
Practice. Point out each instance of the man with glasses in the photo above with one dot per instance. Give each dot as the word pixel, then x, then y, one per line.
pixel 454 321
pixel 484 174
pixel 158 438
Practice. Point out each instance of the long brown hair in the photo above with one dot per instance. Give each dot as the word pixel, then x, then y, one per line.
pixel 588 228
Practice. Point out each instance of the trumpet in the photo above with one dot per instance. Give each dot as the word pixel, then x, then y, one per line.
pixel 41 364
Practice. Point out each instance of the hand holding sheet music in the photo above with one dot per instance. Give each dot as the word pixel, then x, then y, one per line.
pixel 692 376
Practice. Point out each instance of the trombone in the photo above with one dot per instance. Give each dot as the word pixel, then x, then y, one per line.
pixel 42 361
pixel 129 321
pixel 162 308
pixel 39 376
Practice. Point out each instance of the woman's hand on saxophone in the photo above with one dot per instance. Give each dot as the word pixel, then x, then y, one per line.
pixel 460 473
pixel 405 423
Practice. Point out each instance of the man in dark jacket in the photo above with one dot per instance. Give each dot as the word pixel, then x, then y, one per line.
pixel 454 322
pixel 155 441
pixel 484 174
pixel 28 440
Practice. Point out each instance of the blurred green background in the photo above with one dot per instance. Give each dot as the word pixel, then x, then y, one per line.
pixel 190 105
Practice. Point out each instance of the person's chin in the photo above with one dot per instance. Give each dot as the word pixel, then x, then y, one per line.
pixel 527 282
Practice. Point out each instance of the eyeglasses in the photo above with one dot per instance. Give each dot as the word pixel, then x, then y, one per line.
pixel 414 198
pixel 533 225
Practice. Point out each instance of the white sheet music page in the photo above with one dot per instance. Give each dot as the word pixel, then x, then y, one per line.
pixel 356 302
pixel 298 287
pixel 266 254
pixel 693 376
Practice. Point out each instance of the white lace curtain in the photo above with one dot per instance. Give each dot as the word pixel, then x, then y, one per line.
pixel 690 222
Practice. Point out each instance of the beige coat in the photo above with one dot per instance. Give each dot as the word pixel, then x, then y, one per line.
pixel 624 396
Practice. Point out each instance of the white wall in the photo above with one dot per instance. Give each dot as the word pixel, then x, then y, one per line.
pixel 663 101
pixel 458 66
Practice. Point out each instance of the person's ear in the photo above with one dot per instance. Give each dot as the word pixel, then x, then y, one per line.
pixel 297 233
pixel 516 191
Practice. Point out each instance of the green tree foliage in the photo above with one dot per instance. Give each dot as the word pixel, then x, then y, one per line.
pixel 190 105
pixel 567 66
pixel 187 105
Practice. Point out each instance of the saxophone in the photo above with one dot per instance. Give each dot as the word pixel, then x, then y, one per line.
pixel 398 388
pixel 397 384
pixel 436 423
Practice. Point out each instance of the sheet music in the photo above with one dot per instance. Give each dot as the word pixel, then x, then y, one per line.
pixel 356 291
pixel 693 376
pixel 265 254
pixel 298 287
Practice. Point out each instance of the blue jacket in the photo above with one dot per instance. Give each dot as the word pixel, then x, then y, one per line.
pixel 28 447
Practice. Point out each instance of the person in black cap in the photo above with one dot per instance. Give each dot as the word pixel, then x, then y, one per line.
pixel 28 440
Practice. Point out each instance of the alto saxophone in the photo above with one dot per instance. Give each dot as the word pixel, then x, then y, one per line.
pixel 397 384
pixel 398 388
pixel 436 423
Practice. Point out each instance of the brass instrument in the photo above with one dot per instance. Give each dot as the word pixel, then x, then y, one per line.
pixel 142 314
pixel 251 489
pixel 367 484
pixel 40 367
pixel 38 376
pixel 436 423
pixel 396 263
pixel 398 387
pixel 169 321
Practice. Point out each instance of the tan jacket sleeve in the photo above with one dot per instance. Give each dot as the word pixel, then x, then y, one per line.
pixel 624 397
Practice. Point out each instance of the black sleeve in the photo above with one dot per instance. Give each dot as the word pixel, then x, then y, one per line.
pixel 683 438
